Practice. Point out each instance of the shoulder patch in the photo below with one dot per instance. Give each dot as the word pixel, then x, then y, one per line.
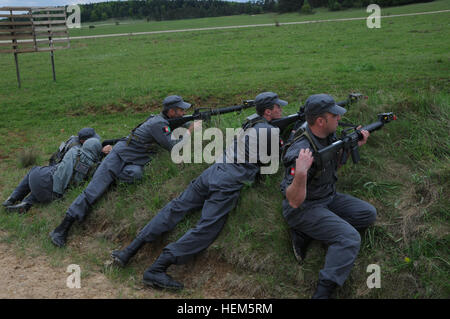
pixel 166 129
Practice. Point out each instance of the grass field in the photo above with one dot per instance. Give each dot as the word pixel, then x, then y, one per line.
pixel 112 84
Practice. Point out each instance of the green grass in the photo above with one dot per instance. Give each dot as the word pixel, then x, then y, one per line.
pixel 113 84
pixel 131 26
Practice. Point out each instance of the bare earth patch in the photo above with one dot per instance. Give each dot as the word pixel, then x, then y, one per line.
pixel 33 277
pixel 23 276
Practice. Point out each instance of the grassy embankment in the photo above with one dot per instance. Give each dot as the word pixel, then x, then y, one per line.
pixel 112 84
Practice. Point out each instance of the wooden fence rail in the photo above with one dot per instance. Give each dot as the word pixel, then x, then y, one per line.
pixel 31 29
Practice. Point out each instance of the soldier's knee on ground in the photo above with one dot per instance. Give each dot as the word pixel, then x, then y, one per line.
pixel 131 174
pixel 353 239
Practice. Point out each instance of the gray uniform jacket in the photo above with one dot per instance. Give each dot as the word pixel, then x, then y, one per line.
pixel 142 141
pixel 321 183
pixel 235 173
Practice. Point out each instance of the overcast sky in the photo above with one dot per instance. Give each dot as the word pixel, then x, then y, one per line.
pixel 39 3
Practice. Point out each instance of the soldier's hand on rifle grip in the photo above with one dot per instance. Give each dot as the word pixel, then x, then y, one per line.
pixel 106 149
pixel 365 135
pixel 196 125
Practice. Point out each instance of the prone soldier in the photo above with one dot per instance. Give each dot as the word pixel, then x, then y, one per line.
pixel 125 162
pixel 46 183
pixel 215 192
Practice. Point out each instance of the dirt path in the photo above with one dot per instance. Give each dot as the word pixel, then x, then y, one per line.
pixel 34 277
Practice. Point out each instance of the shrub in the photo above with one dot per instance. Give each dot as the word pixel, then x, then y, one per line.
pixel 306 8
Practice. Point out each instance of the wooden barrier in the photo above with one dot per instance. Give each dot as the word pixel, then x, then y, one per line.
pixel 32 29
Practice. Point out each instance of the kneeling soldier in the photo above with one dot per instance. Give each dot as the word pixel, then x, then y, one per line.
pixel 125 162
pixel 312 207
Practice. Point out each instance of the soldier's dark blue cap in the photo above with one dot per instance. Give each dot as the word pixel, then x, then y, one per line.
pixel 85 133
pixel 173 101
pixel 267 100
pixel 321 103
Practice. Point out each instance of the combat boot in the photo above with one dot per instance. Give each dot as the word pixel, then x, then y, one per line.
pixel 59 234
pixel 10 201
pixel 325 290
pixel 20 208
pixel 156 275
pixel 121 257
pixel 300 242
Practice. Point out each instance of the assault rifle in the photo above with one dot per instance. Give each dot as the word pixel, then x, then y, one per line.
pixel 206 115
pixel 286 121
pixel 349 142
pixel 199 114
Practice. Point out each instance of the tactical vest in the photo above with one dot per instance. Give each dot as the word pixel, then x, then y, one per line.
pixel 150 148
pixel 326 174
pixel 84 168
pixel 132 136
pixel 254 119
pixel 57 157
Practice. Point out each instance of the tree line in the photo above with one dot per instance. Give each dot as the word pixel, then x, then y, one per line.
pixel 335 5
pixel 158 10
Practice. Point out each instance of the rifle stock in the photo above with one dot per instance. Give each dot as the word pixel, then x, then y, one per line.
pixel 284 122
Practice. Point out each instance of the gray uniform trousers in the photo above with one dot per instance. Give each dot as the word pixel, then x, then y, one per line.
pixel 203 192
pixel 333 221
pixel 111 168
pixel 38 183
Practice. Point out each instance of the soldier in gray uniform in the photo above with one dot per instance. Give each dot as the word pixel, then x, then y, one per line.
pixel 312 207
pixel 215 192
pixel 127 158
pixel 45 183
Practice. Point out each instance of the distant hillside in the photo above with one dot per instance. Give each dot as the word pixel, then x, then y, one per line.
pixel 158 10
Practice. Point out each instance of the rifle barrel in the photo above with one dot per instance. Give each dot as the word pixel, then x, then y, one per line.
pixel 373 126
pixel 227 109
pixel 343 103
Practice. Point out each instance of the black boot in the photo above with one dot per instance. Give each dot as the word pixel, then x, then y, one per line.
pixel 325 290
pixel 22 207
pixel 121 257
pixel 10 201
pixel 59 235
pixel 156 275
pixel 300 242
